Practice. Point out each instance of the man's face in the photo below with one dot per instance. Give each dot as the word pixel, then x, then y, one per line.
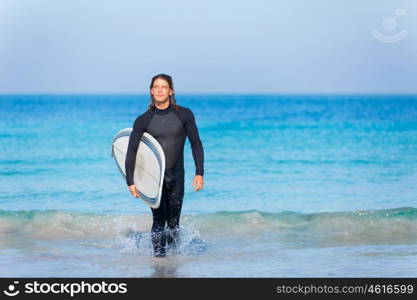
pixel 160 90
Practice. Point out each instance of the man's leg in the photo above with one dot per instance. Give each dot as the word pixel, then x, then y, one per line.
pixel 159 219
pixel 174 199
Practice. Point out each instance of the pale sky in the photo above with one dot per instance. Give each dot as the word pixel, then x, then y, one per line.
pixel 262 46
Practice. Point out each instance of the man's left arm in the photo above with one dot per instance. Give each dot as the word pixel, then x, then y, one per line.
pixel 197 149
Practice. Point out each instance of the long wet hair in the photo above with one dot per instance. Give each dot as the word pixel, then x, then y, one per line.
pixel 172 99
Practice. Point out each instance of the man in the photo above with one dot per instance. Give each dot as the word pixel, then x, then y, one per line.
pixel 170 124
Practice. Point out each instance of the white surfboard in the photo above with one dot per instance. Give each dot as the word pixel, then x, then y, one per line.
pixel 150 165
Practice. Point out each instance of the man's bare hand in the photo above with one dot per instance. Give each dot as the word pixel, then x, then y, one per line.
pixel 198 182
pixel 134 191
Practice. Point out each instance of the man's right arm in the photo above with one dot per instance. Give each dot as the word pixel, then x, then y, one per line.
pixel 139 127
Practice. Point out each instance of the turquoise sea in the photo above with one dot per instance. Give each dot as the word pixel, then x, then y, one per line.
pixel 295 186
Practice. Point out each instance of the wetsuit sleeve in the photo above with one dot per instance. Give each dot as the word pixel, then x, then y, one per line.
pixel 196 144
pixel 139 128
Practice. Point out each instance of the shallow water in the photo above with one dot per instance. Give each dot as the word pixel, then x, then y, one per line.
pixel 223 244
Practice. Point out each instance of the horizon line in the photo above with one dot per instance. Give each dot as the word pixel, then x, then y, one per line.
pixel 207 94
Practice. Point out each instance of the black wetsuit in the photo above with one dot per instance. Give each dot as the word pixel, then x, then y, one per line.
pixel 170 128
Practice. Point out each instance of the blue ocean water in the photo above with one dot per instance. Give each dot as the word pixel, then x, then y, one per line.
pixel 295 185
